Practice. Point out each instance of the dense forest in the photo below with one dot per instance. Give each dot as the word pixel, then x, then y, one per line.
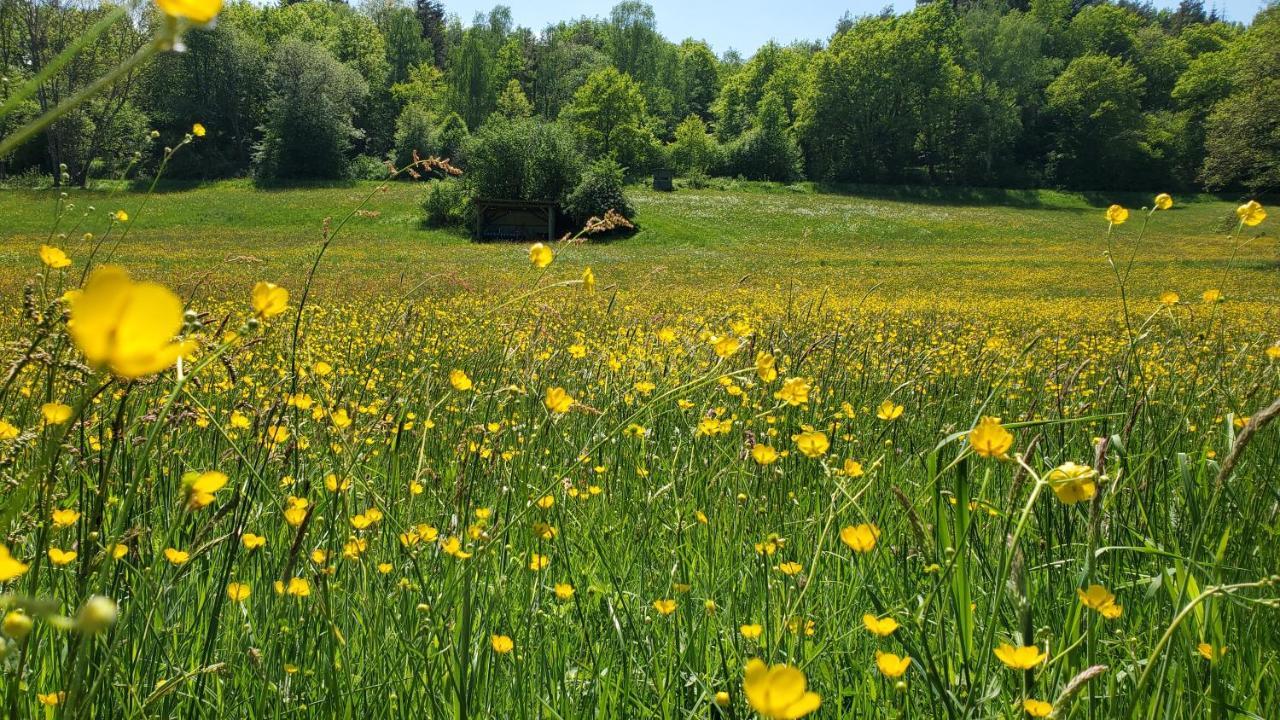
pixel 1063 93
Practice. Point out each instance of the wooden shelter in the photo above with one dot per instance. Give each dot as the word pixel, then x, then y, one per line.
pixel 517 220
pixel 664 180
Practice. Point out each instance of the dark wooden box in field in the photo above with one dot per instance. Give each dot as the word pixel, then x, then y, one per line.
pixel 517 220
pixel 664 180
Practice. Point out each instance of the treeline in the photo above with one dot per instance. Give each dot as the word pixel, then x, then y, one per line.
pixel 1066 93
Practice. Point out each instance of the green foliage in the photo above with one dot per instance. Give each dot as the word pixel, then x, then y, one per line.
pixel 521 159
pixel 699 79
pixel 445 204
pixel 309 127
pixel 1242 143
pixel 220 81
pixel 948 93
pixel 863 111
pixel 415 133
pixel 610 116
pixel 767 151
pixel 602 189
pixel 512 103
pixel 694 149
pixel 1097 101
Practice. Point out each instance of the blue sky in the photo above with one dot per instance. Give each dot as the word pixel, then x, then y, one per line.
pixel 744 24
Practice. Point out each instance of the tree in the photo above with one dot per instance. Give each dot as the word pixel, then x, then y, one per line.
pixel 1097 113
pixel 862 111
pixel 1242 141
pixel 694 149
pixel 699 79
pixel 609 114
pixel 430 14
pixel 309 126
pixel 633 39
pixel 767 151
pixel 406 46
pixel 472 78
pixel 220 82
pixel 521 159
pixel 512 103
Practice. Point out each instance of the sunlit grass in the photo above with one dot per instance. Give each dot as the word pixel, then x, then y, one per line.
pixel 487 492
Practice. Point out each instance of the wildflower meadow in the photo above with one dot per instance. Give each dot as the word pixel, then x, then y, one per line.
pixel 1005 457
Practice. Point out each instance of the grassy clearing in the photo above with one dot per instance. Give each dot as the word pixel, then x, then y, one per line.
pixel 926 249
pixel 481 547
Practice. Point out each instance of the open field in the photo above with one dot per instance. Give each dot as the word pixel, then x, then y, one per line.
pixel 463 486
pixel 928 248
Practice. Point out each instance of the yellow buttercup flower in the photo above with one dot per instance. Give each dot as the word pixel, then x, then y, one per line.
pixel 779 692
pixel 198 130
pixel 888 411
pixel 502 644
pixel 557 400
pixel 176 556
pixel 65 517
pixel 795 391
pixel 990 439
pixel 200 487
pixel 764 455
pixel 1169 298
pixel 1037 708
pixel 10 567
pixel 53 258
pixel 459 380
pixel 251 541
pixel 751 632
pixel 17 624
pixel 238 592
pixel 8 431
pixel 1020 658
pixel 1251 213
pixel 664 606
pixel 766 366
pixel 860 538
pixel 61 557
pixel 197 11
pixel 725 345
pixel 1116 215
pixel 880 627
pixel 564 591
pixel 1073 483
pixel 1164 201
pixel 540 255
pixel 1210 653
pixel 588 280
pixel 892 666
pixel 126 326
pixel 790 568
pixel 269 300
pixel 1211 296
pixel 1098 598
pixel 55 413
pixel 812 443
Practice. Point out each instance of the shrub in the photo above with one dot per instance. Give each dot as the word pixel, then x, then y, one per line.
pixel 600 191
pixel 694 149
pixel 445 204
pixel 521 159
pixel 766 151
pixel 415 131
pixel 368 167
pixel 309 128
